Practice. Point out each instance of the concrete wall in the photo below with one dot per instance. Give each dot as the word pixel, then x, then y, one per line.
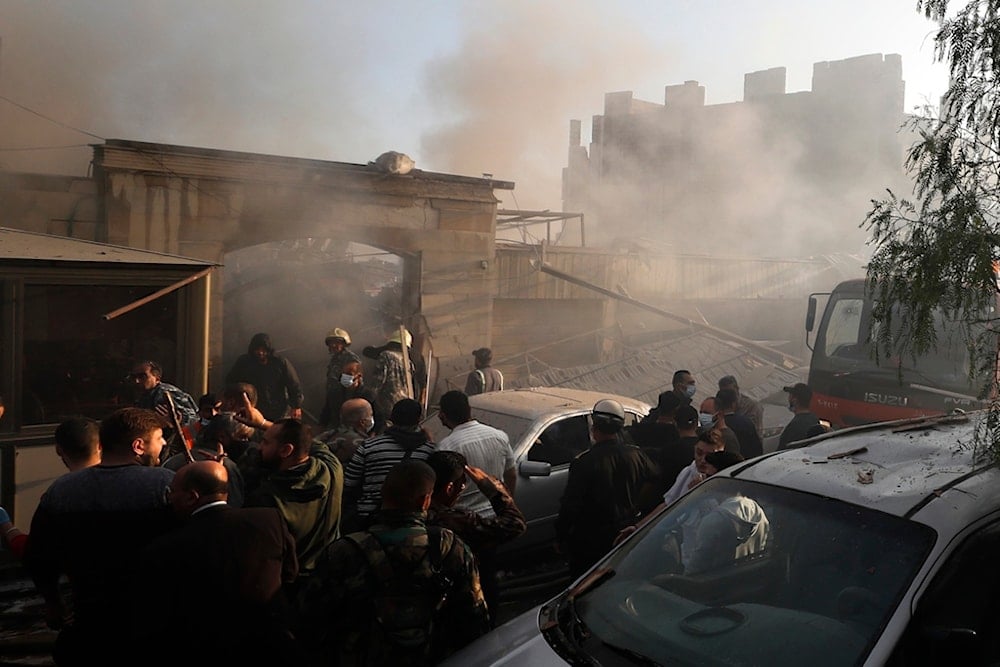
pixel 203 203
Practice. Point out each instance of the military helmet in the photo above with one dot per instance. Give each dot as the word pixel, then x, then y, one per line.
pixel 337 332
pixel 394 338
pixel 608 415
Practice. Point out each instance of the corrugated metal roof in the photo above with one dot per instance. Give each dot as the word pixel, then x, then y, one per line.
pixel 649 369
pixel 21 245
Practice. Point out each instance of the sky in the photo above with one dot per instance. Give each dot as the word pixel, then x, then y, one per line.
pixel 461 87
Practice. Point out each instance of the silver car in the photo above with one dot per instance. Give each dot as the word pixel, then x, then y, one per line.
pixel 869 546
pixel 547 427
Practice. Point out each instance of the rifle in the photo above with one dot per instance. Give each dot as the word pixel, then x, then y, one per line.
pixel 178 429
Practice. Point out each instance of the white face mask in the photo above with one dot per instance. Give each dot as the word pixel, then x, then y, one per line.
pixel 689 390
pixel 346 380
pixel 705 420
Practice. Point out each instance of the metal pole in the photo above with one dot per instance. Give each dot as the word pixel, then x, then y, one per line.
pixel 156 295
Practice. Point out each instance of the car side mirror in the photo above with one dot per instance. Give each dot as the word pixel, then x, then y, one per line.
pixel 535 469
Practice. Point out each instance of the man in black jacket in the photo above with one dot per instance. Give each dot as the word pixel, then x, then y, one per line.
pixel 603 491
pixel 279 392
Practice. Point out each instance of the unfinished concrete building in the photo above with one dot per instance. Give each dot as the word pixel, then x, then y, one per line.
pixel 778 174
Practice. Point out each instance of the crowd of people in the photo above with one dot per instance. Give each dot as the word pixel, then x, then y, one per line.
pixel 226 530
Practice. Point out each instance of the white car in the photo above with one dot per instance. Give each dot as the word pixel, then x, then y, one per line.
pixel 880 547
pixel 547 427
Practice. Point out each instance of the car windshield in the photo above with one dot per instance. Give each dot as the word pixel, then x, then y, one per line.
pixel 740 573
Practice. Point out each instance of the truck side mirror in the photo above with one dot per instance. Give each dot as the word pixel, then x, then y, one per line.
pixel 535 469
pixel 811 314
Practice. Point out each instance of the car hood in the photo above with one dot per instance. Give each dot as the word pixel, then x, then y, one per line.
pixel 517 642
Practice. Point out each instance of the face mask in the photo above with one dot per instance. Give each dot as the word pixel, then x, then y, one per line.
pixel 705 420
pixel 346 380
pixel 689 390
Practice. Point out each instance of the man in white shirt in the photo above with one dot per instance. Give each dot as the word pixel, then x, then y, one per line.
pixel 482 446
pixel 694 474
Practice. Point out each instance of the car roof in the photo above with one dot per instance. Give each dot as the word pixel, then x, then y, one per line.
pixel 924 468
pixel 535 402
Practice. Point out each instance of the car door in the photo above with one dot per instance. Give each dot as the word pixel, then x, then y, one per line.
pixel 957 619
pixel 543 468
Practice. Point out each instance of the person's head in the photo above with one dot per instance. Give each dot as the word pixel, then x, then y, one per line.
pixel 708 442
pixel 357 413
pixel 607 418
pixel 260 347
pixel 78 442
pixel 146 375
pixel 454 408
pixel 483 357
pixel 683 383
pixel 208 407
pixel 408 486
pixel 3 407
pixel 132 434
pixel 729 382
pixel 666 406
pixel 449 470
pixel 232 396
pixel 706 413
pixel 394 338
pixel 687 420
pixel 197 484
pixel 337 340
pixel 220 432
pixel 726 400
pixel 716 461
pixel 351 375
pixel 406 413
pixel 799 397
pixel 285 444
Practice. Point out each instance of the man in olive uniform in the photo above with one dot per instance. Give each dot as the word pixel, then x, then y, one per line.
pixel 399 593
pixel 603 491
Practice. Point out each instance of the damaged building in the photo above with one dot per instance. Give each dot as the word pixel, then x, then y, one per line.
pixel 778 174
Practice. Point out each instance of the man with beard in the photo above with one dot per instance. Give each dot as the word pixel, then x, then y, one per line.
pixel 304 482
pixel 279 392
pixel 91 526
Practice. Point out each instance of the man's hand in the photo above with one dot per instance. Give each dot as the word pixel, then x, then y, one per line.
pixel 249 415
pixel 486 483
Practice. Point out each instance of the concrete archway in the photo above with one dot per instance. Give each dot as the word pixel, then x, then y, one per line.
pixel 205 203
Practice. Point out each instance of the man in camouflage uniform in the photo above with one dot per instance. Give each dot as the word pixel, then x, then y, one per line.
pixel 338 342
pixel 148 379
pixel 400 592
pixel 483 534
pixel 357 422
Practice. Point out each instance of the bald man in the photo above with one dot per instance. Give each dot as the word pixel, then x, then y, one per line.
pixel 219 593
pixel 357 423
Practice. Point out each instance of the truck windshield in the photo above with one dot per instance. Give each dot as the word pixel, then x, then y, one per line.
pixel 745 573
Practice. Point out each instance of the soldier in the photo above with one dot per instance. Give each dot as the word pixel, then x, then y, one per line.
pixel 399 593
pixel 338 342
pixel 482 534
pixel 603 491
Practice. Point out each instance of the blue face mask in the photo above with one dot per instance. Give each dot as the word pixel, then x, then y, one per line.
pixel 705 420
pixel 689 390
pixel 346 380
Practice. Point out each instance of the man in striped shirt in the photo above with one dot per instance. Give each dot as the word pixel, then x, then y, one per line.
pixel 367 469
pixel 483 447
